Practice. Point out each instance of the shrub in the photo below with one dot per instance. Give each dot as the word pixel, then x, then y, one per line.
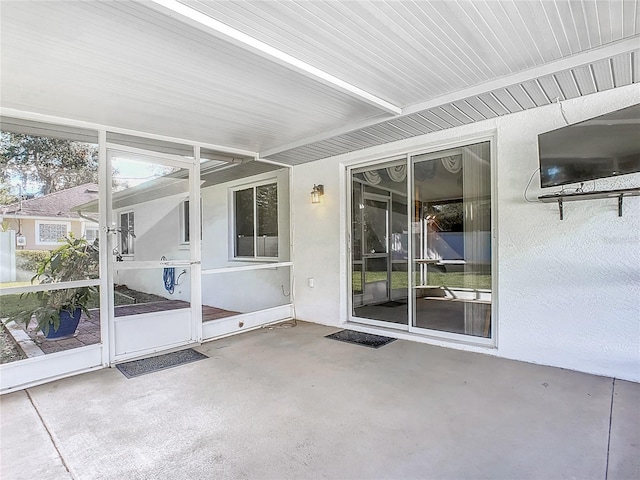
pixel 29 260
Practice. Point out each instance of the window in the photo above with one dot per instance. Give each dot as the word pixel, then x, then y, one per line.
pixel 91 234
pixel 256 221
pixel 126 233
pixel 51 233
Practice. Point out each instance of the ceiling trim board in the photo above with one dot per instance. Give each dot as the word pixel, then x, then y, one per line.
pixel 273 162
pixel 326 135
pixel 249 43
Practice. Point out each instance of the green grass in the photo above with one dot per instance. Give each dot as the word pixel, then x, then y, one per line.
pixel 12 304
pixel 460 280
pixel 444 279
pixel 14 284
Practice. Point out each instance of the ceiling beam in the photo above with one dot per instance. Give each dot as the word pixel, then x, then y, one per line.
pixel 562 64
pixel 246 42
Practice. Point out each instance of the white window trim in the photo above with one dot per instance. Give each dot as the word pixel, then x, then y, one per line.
pixel 49 222
pixel 232 220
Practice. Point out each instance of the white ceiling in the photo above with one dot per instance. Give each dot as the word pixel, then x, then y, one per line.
pixel 144 67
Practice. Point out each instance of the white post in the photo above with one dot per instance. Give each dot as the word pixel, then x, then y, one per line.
pixel 8 256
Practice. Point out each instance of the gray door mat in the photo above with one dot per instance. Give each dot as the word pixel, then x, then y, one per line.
pixel 359 338
pixel 143 366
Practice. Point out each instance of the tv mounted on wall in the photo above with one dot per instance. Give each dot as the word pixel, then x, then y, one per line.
pixel 604 146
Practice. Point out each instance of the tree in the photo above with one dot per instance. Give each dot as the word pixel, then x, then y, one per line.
pixel 53 164
pixel 6 196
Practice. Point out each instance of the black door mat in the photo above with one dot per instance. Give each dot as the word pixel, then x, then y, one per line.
pixel 392 303
pixel 143 366
pixel 359 338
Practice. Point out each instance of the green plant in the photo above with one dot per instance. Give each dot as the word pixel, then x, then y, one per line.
pixel 76 259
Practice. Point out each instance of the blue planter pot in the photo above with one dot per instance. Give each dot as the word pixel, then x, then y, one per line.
pixel 68 324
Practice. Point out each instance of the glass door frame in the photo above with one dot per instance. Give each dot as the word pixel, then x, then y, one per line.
pixel 349 219
pixel 192 165
pixel 492 340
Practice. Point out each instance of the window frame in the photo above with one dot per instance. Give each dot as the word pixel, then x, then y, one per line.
pixel 184 226
pixel 38 223
pixel 131 250
pixel 92 227
pixel 233 224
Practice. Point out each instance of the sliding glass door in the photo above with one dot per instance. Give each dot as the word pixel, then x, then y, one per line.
pixel 451 253
pixel 379 244
pixel 421 243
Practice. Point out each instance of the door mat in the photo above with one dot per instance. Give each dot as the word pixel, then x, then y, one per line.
pixel 392 303
pixel 143 366
pixel 359 338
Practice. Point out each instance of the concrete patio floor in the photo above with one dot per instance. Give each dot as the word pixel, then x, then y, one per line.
pixel 288 403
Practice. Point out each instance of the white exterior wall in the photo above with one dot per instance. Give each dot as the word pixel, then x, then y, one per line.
pixel 245 291
pixel 157 229
pixel 568 292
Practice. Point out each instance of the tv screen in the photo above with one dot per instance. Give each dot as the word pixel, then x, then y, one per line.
pixel 601 147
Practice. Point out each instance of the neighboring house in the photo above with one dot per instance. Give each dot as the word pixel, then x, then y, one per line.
pixel 40 223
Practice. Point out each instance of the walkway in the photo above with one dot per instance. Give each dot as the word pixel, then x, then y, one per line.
pixel 287 403
pixel 88 332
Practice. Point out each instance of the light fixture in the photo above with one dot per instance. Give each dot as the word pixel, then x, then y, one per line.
pixel 316 193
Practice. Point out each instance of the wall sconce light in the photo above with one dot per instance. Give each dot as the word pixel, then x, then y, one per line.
pixel 316 193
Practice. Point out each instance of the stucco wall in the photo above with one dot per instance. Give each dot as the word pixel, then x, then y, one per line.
pixel 245 291
pixel 157 229
pixel 568 292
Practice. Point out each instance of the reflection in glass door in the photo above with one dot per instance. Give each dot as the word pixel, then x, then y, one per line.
pixel 375 215
pixel 451 255
pixel 379 248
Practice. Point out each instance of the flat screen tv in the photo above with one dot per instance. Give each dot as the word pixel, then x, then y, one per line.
pixel 604 146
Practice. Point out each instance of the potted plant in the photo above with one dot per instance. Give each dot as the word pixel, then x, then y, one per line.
pixel 61 309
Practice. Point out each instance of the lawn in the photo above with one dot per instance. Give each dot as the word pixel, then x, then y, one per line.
pixel 444 279
pixel 12 304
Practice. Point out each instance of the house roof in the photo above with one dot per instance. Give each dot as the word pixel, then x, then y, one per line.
pixel 57 204
pixel 295 81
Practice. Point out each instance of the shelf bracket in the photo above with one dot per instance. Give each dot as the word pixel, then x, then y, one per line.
pixel 560 207
pixel 619 193
pixel 620 205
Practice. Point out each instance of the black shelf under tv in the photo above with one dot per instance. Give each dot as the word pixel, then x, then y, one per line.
pixel 560 198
